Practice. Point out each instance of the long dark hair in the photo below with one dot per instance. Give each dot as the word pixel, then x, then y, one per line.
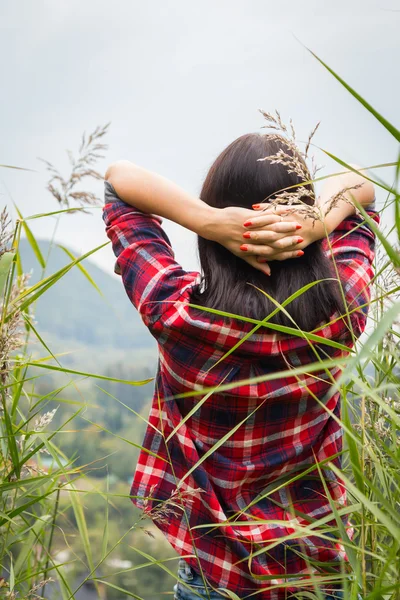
pixel 237 178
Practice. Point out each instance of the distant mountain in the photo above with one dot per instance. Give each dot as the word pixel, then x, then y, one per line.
pixel 73 315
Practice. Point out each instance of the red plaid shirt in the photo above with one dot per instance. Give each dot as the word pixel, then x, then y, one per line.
pixel 270 428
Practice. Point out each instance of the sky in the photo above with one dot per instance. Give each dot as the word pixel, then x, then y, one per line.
pixel 179 81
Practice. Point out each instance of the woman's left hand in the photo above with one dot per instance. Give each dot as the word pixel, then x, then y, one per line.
pixel 279 236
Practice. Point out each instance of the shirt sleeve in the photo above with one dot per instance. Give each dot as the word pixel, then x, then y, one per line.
pixel 145 260
pixel 352 248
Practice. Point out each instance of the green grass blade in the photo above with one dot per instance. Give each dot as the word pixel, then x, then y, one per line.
pixel 23 507
pixel 37 449
pixel 280 328
pixel 373 507
pixel 265 322
pixel 81 268
pixel 342 530
pixel 123 439
pixel 81 523
pixel 395 132
pixel 30 325
pixel 17 168
pixel 31 239
pixel 42 286
pixel 392 252
pixel 218 444
pixel 128 408
pixel 12 444
pixel 11 580
pixel 374 339
pixel 29 542
pixel 104 542
pixel 84 374
pixel 19 377
pixel 5 265
pixel 352 445
pixel 231 595
pixel 311 368
pixel 56 275
pixel 164 568
pixel 195 408
pixel 350 168
pixel 119 589
pixel 59 212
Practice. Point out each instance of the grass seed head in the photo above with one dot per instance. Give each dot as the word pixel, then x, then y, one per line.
pixel 82 167
pixel 5 232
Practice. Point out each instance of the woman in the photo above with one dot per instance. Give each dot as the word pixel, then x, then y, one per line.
pixel 265 431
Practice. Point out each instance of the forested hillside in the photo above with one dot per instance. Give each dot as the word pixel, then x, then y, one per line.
pixel 74 316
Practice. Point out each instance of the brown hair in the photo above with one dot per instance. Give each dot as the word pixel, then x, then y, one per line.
pixel 238 178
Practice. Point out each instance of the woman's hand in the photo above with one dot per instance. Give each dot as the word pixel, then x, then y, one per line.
pixel 276 239
pixel 266 248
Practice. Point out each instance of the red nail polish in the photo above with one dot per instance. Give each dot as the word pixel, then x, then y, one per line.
pixel 243 247
pixel 299 253
pixel 298 226
pixel 299 240
pixel 255 205
pixel 247 224
pixel 247 234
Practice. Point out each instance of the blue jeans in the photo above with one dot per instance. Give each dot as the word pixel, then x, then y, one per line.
pixel 198 591
pixel 195 581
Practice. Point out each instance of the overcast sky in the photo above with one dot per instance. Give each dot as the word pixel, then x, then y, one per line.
pixel 179 81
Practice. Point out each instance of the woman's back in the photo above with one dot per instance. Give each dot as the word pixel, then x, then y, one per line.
pixel 266 422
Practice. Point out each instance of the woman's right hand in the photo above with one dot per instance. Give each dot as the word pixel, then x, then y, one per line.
pixel 268 250
pixel 278 237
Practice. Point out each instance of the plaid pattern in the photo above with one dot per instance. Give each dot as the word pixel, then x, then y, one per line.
pixel 270 428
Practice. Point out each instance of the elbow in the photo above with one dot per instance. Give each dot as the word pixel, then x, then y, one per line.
pixel 116 169
pixel 366 191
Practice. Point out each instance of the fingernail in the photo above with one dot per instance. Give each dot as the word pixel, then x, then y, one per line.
pixel 247 224
pixel 299 253
pixel 243 247
pixel 262 260
pixel 247 234
pixel 298 226
pixel 299 240
pixel 255 205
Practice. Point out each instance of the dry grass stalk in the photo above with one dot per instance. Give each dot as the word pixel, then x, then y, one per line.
pixel 90 151
pixel 9 338
pixel 11 331
pixel 310 137
pixel 44 420
pixel 30 594
pixel 302 199
pixel 294 159
pixel 341 195
pixel 163 511
pixel 39 425
pixel 5 233
pixel 379 421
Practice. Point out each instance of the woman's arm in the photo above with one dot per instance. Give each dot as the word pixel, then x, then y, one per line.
pixel 153 194
pixel 352 187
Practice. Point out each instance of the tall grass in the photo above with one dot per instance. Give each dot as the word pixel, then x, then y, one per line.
pixel 37 503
